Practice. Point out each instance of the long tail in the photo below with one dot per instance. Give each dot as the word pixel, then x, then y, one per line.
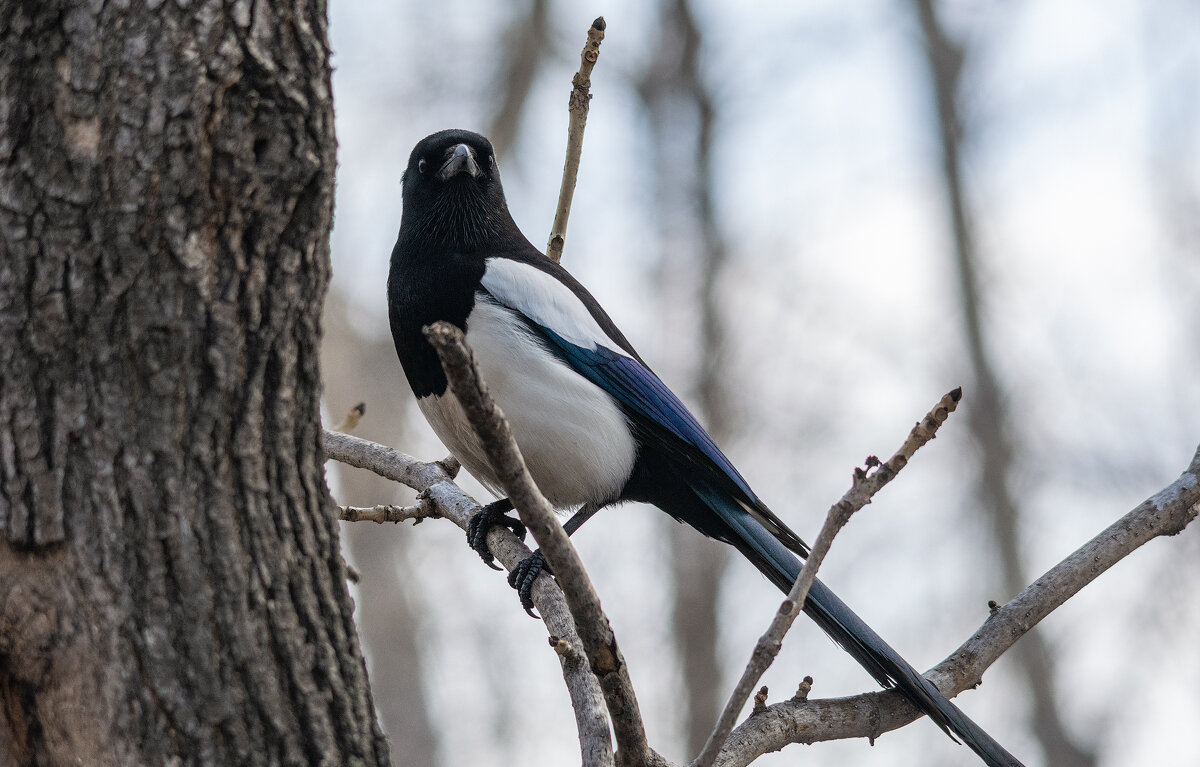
pixel 782 567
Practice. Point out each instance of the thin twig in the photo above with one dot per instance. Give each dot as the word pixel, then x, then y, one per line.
pixel 434 480
pixel 353 416
pixel 798 720
pixel 535 511
pixel 577 106
pixel 388 513
pixel 869 715
pixel 866 483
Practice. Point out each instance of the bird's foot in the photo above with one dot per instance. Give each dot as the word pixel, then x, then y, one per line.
pixel 524 574
pixel 482 523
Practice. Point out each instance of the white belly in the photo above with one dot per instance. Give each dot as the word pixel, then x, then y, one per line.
pixel 574 438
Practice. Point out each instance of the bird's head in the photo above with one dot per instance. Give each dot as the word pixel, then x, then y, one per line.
pixel 452 191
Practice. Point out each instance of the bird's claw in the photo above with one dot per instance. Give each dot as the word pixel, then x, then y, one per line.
pixel 482 523
pixel 523 575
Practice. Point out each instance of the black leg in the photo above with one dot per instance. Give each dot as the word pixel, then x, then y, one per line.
pixel 481 524
pixel 586 512
pixel 527 570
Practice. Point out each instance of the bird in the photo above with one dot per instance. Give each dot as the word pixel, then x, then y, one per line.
pixel 594 423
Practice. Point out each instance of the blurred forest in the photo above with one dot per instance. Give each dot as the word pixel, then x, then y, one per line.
pixel 813 219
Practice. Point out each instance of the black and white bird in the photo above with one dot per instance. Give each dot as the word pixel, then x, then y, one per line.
pixel 596 426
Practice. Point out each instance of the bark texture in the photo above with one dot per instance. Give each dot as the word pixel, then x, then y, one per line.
pixel 171 589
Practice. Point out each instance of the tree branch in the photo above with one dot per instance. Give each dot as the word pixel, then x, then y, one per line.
pixel 435 483
pixel 869 715
pixel 863 488
pixel 599 642
pixel 387 512
pixel 577 106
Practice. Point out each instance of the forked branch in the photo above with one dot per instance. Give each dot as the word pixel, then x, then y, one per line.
pixel 799 720
pixel 869 715
pixel 434 481
pixel 599 642
pixel 865 484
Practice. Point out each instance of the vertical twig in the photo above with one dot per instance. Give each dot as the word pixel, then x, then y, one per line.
pixel 578 108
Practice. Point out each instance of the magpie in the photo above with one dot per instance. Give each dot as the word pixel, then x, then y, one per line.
pixel 596 426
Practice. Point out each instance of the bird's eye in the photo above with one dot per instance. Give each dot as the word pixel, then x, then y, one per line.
pixel 421 165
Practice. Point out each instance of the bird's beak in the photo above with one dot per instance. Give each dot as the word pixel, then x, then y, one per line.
pixel 461 160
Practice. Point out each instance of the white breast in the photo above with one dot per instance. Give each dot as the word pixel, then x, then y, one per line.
pixel 575 439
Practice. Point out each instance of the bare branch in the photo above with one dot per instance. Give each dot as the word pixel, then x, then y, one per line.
pixel 435 482
pixel 388 512
pixel 865 485
pixel 578 108
pixel 599 642
pixel 799 720
pixel 869 715
pixel 353 416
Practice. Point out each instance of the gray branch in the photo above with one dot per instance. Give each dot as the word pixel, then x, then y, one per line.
pixel 799 720
pixel 599 642
pixel 577 107
pixel 869 715
pixel 435 483
pixel 387 512
pixel 864 486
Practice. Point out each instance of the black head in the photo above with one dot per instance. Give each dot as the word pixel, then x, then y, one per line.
pixel 452 192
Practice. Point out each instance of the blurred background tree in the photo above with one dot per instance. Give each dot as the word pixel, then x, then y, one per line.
pixel 811 218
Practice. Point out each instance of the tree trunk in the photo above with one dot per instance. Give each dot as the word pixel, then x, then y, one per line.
pixel 171 588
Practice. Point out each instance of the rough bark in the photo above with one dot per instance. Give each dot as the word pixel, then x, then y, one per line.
pixel 171 589
pixel 990 426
